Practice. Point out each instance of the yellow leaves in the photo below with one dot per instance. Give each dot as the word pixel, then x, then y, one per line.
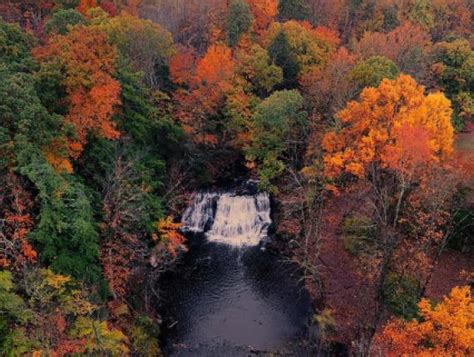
pixel 312 47
pixel 394 125
pixel 59 163
pixel 169 234
pixel 446 329
pixel 100 338
pixel 56 281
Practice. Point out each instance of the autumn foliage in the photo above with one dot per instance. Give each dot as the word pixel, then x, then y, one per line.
pixel 445 329
pixel 85 5
pixel 264 12
pixel 207 79
pixel 15 250
pixel 93 94
pixel 380 129
pixel 112 111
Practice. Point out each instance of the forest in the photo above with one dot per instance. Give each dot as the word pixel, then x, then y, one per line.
pixel 355 116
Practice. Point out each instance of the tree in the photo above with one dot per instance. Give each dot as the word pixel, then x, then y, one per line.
pixel 421 13
pixel 372 71
pixel 264 12
pixel 390 18
pixel 445 329
pixel 16 204
pixel 62 19
pixel 325 12
pixel 310 47
pixel 207 79
pixel 454 72
pixel 47 313
pixel 278 124
pixel 16 47
pixel 147 45
pixel 293 10
pixel 408 46
pixel 255 66
pixel 281 54
pixel 451 18
pixel 85 5
pixel 239 21
pixel 394 140
pixel 327 90
pixel 88 61
pixel 128 206
pixel 377 130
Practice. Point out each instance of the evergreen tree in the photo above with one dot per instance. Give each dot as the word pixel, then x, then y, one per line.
pixel 281 54
pixel 239 21
pixel 293 10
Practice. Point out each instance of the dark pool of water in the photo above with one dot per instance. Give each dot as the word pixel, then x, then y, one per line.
pixel 223 301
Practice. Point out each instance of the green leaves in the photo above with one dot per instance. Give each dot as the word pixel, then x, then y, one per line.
pixel 12 306
pixel 15 46
pixel 293 10
pixel 282 55
pixel 100 339
pixel 372 71
pixel 277 128
pixel 454 71
pixel 61 20
pixel 239 20
pixel 66 232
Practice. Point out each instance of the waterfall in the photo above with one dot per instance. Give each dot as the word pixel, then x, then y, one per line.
pixel 200 213
pixel 228 218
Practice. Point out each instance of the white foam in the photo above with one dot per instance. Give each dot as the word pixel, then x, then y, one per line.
pixel 236 220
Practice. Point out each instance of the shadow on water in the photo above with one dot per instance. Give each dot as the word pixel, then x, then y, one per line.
pixel 227 301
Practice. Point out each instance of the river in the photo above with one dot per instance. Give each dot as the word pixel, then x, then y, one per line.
pixel 229 295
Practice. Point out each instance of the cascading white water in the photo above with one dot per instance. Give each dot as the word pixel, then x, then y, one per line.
pixel 228 218
pixel 200 213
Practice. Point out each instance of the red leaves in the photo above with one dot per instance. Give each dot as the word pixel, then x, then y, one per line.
pixel 182 66
pixel 116 256
pixel 15 251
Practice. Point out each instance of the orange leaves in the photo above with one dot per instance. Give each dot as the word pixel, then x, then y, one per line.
pixel 91 111
pixel 411 148
pixel 327 36
pixel 216 66
pixel 264 12
pixel 57 155
pixel 89 62
pixel 85 5
pixel 116 257
pixel 170 235
pixel 207 80
pixel 182 66
pixel 394 125
pixel 446 330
